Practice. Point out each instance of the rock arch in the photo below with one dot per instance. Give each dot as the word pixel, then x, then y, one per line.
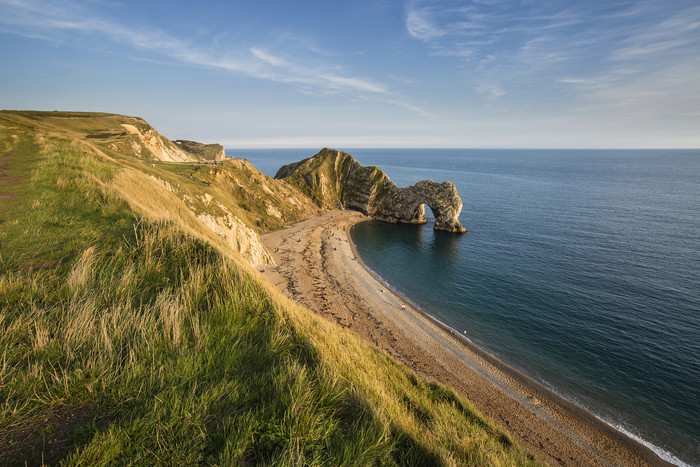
pixel 407 205
pixel 335 179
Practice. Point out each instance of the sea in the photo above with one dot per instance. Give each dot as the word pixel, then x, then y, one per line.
pixel 581 269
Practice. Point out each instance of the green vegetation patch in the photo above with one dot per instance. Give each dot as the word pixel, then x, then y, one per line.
pixel 200 150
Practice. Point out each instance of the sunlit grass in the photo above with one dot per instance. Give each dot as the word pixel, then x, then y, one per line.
pixel 125 339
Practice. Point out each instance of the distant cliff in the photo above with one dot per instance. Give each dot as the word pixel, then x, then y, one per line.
pixel 122 136
pixel 207 152
pixel 334 179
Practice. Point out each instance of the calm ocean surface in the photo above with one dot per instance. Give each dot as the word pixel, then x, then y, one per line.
pixel 580 268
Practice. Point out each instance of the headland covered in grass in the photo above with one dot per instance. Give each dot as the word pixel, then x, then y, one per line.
pixel 133 328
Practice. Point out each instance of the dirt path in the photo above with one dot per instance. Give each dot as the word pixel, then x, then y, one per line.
pixel 7 179
pixel 318 267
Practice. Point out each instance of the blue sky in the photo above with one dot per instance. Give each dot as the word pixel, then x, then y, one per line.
pixel 380 73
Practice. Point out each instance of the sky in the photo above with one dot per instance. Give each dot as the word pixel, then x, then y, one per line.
pixel 379 73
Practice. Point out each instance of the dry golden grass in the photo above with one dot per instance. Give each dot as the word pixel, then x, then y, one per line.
pixel 131 335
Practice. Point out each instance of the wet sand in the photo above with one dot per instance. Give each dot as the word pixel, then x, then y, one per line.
pixel 317 266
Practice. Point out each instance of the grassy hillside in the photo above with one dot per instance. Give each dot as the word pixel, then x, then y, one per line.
pixel 129 337
pixel 107 131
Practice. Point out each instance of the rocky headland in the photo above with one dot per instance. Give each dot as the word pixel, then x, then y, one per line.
pixel 334 179
pixel 207 152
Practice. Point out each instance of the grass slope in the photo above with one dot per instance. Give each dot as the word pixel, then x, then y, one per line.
pixel 126 340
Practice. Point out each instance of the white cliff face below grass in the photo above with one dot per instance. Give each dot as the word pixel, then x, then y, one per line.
pixel 161 148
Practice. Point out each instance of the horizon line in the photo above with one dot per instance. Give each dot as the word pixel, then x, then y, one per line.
pixel 480 148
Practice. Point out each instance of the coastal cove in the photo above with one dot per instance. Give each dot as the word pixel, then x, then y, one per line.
pixel 542 226
pixel 317 266
pixel 428 233
pixel 162 299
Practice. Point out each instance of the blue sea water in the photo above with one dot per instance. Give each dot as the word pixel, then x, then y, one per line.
pixel 581 268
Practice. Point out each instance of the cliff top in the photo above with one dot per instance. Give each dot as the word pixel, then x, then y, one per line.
pixel 121 134
pixel 207 152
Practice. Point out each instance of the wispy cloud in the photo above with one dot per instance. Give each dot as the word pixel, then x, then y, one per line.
pixel 419 23
pixel 494 41
pixel 639 57
pixel 581 81
pixel 490 89
pixel 651 66
pixel 310 71
pixel 661 36
pixel 453 29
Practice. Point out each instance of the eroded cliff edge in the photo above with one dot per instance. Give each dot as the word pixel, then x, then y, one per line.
pixel 335 179
pixel 226 202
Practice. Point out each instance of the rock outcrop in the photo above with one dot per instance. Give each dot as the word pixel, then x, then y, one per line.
pixel 407 205
pixel 335 179
pixel 148 141
pixel 206 152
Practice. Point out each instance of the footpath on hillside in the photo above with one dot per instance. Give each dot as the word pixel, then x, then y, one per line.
pixel 5 179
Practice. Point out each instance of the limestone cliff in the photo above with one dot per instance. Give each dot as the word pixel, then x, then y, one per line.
pixel 335 179
pixel 148 142
pixel 227 204
pixel 207 152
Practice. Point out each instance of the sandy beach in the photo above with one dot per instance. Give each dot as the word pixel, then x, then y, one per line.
pixel 317 266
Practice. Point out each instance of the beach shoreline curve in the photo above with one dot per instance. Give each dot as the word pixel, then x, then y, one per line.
pixel 317 265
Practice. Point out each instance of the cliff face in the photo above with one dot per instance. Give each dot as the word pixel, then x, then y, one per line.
pixel 147 142
pixel 207 152
pixel 408 205
pixel 226 204
pixel 335 179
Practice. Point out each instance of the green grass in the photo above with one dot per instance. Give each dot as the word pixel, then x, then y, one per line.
pixel 127 341
pixel 185 173
pixel 178 358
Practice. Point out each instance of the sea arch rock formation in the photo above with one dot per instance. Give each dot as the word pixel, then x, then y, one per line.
pixel 335 179
pixel 407 205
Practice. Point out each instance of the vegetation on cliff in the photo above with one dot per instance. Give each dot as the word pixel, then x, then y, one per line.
pixel 132 334
pixel 207 152
pixel 334 179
